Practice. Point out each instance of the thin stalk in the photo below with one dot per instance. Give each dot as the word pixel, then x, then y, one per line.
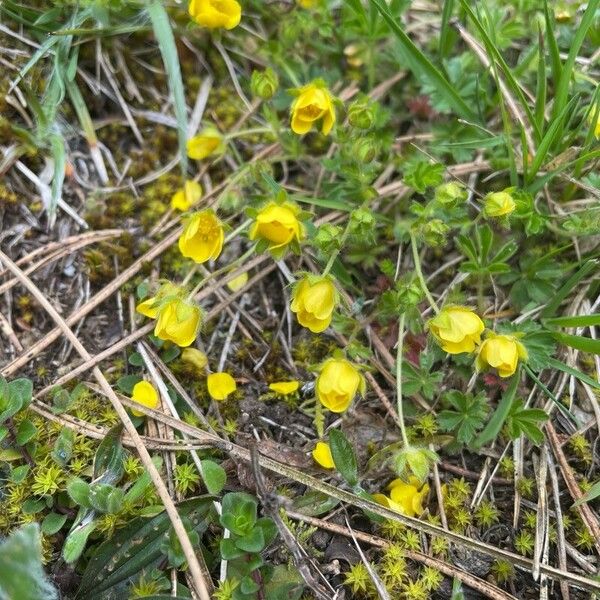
pixel 399 381
pixel 336 252
pixel 232 265
pixel 417 261
pixel 254 131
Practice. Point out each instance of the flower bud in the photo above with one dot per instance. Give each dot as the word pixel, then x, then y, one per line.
pixel 361 114
pixel 450 194
pixel 338 383
pixel 434 232
pixel 313 301
pixel 498 204
pixel 364 150
pixel 264 84
pixel 502 352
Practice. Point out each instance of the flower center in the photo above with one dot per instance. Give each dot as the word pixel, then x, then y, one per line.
pixel 312 111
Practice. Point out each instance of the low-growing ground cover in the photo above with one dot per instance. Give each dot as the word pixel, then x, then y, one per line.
pixel 299 299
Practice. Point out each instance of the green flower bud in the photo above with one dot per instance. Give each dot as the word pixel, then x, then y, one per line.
pixel 364 150
pixel 328 238
pixel 434 232
pixel 264 84
pixel 451 194
pixel 361 114
pixel 498 204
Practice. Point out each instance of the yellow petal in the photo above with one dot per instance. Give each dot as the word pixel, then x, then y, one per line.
pixel 284 387
pixel 195 357
pixel 322 455
pixel 145 394
pixel 220 385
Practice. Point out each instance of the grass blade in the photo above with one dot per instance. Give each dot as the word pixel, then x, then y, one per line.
pixel 492 429
pixel 552 46
pixel 557 364
pixel 422 66
pixel 575 321
pixel 562 89
pixel 168 50
pixel 446 32
pixel 578 342
pixel 57 145
pixel 583 271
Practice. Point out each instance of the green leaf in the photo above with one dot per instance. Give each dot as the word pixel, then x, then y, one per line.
pixel 574 321
pixel 63 447
pixel 421 175
pixel 106 498
pixel 343 456
pixel 22 576
pixel 579 342
pixel 468 416
pixel 285 584
pixel 524 421
pixel 492 429
pixel 421 66
pixel 18 474
pixel 229 550
pixel 79 492
pixel 168 50
pixel 25 432
pixel 238 512
pixel 557 364
pixel 214 476
pixel 314 503
pixel 591 494
pixel 108 461
pixel 53 522
pixel 253 541
pixel 76 541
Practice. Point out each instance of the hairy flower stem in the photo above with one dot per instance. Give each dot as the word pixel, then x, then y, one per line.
pixel 232 265
pixel 417 261
pixel 399 381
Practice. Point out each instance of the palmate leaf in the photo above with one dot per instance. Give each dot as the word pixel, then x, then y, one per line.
pixel 468 416
pixel 524 421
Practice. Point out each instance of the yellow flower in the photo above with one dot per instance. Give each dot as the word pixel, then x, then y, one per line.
pixel 195 357
pixel 145 394
pixel 216 13
pixel 307 3
pixel 202 237
pixel 178 322
pixel 595 114
pixel 238 282
pixel 313 102
pixel 278 224
pixel 220 385
pixel 189 194
pixel 501 352
pixel 337 384
pixel 313 301
pixel 498 204
pixel 457 329
pixel 284 387
pixel 322 455
pixel 387 502
pixel 209 141
pixel 409 496
pixel 149 308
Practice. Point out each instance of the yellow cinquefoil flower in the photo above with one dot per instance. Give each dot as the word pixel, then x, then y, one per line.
pixel 145 394
pixel 149 308
pixel 178 322
pixel 284 388
pixel 338 383
pixel 313 301
pixel 278 224
pixel 307 3
pixel 220 385
pixel 208 142
pixel 387 502
pixel 501 352
pixel 188 195
pixel 498 204
pixel 409 496
pixel 202 237
pixel 195 357
pixel 216 14
pixel 594 114
pixel 313 103
pixel 322 455
pixel 457 329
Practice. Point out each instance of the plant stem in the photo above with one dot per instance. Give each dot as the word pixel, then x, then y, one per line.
pixel 336 252
pixel 256 130
pixel 417 261
pixel 224 269
pixel 399 380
